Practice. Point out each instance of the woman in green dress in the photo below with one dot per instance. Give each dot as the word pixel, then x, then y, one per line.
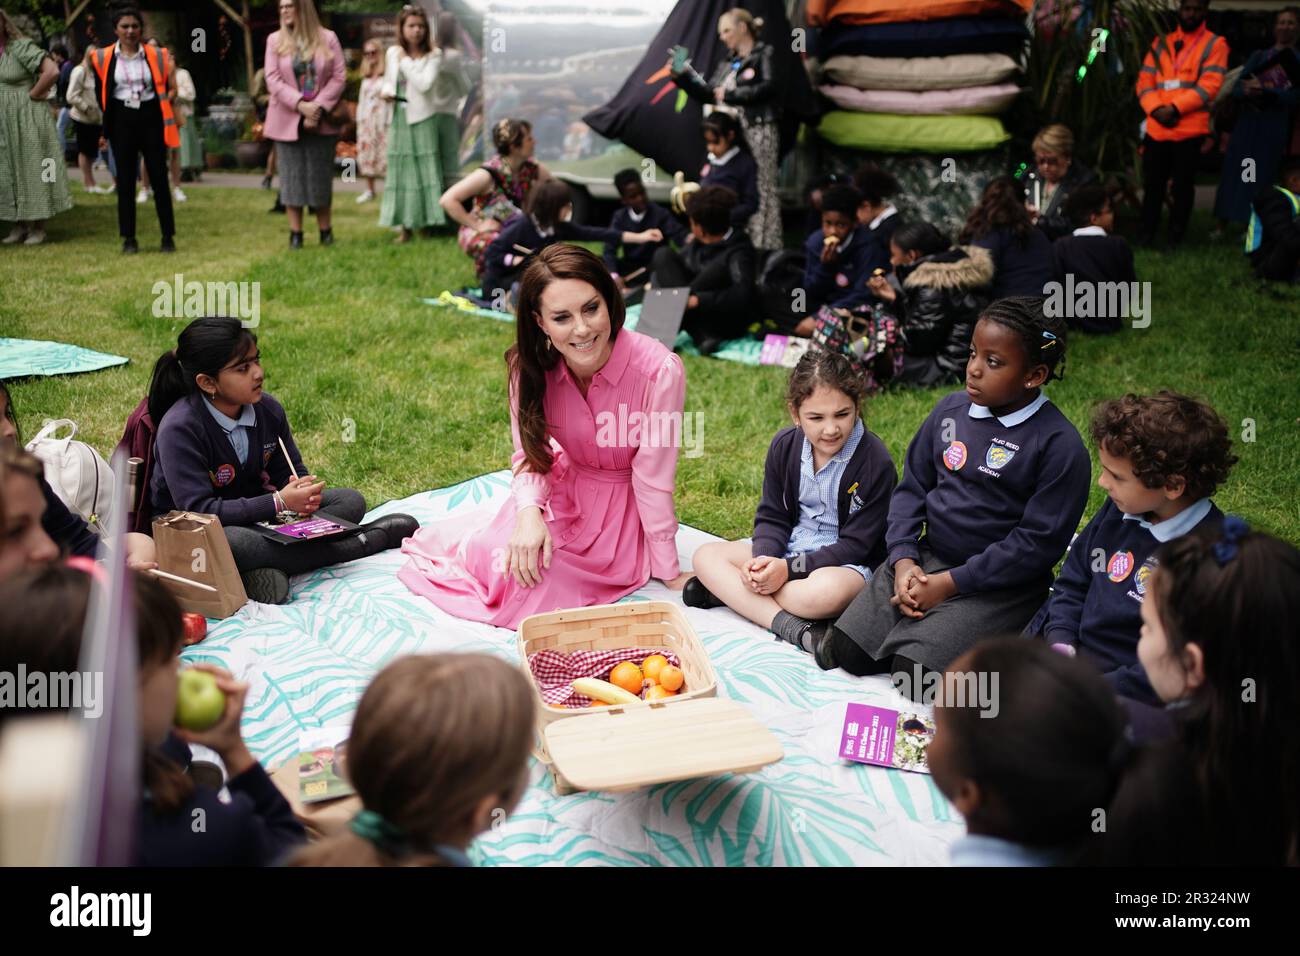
pixel 414 183
pixel 33 180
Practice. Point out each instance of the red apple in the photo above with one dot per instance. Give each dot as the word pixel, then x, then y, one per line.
pixel 196 627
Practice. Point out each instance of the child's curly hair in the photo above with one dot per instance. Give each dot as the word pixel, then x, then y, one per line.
pixel 1164 436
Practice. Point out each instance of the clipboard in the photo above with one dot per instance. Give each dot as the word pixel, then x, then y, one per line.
pixel 662 311
pixel 316 527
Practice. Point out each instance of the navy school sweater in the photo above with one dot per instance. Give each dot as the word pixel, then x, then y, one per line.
pixel 1096 603
pixel 740 175
pixel 998 503
pixel 195 468
pixel 521 230
pixel 638 256
pixel 66 528
pixel 842 282
pixel 863 497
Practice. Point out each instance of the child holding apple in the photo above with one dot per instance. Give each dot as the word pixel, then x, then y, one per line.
pixel 438 754
pixel 42 617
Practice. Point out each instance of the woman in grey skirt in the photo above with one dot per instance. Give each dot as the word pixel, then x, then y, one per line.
pixel 305 76
pixel 745 84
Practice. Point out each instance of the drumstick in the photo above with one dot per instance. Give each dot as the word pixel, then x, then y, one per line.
pixel 285 451
pixel 177 577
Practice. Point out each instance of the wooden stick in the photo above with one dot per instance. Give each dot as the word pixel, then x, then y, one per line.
pixel 524 249
pixel 632 275
pixel 285 451
pixel 176 577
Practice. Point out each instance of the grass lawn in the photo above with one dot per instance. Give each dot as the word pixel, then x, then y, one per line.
pixel 344 337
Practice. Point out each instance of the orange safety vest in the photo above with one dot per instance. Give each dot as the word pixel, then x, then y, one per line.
pixel 1183 70
pixel 100 60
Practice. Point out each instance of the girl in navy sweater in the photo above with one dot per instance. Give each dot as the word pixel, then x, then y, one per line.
pixel 820 525
pixel 997 479
pixel 218 452
pixel 42 617
pixel 730 165
pixel 546 220
pixel 1022 253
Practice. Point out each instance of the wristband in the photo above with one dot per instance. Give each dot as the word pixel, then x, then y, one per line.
pixel 278 502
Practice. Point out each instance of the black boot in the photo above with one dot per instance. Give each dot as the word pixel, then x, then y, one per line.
pixel 388 532
pixel 327 237
pixel 695 594
pixel 130 247
pixel 295 239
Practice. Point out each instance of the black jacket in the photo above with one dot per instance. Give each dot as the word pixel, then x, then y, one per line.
pixel 1278 255
pixel 725 273
pixel 1051 218
pixel 941 298
pixel 755 92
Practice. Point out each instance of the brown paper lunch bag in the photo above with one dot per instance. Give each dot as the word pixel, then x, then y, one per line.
pixel 194 546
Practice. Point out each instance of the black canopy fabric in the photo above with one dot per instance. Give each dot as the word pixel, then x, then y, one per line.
pixel 648 113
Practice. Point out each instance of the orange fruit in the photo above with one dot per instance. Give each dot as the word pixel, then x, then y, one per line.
pixel 652 665
pixel 627 676
pixel 671 678
pixel 597 703
pixel 657 692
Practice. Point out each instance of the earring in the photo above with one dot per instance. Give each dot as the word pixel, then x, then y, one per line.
pixel 548 343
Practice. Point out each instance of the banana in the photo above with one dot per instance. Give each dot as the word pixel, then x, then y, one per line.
pixel 604 690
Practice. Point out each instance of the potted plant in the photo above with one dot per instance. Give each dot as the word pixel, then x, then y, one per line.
pixel 251 149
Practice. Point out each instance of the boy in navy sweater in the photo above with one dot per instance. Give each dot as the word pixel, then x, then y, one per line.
pixel 994 484
pixel 876 187
pixel 1162 456
pixel 839 256
pixel 1091 254
pixel 636 215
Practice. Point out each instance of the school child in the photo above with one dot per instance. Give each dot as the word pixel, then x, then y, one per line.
pixel 998 478
pixel 1218 645
pixel 637 214
pixel 1162 456
pixel 547 218
pixel 720 267
pixel 42 617
pixel 1273 234
pixel 218 451
pixel 1091 255
pixel 820 524
pixel 438 751
pixel 877 187
pixel 1022 253
pixel 839 256
pixel 730 165
pixel 24 542
pixel 1028 767
pixel 936 292
pixel 69 531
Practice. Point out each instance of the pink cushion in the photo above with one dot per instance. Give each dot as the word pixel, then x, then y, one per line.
pixel 972 99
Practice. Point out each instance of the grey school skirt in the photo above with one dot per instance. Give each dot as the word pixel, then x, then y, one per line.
pixel 306 168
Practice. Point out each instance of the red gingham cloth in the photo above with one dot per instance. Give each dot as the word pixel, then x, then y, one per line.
pixel 555 671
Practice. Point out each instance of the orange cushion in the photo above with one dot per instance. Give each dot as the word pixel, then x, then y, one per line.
pixel 821 12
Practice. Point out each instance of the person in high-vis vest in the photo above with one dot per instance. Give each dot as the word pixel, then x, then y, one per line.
pixel 1273 236
pixel 135 85
pixel 1178 81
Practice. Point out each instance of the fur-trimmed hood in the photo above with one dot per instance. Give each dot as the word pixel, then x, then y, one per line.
pixel 960 268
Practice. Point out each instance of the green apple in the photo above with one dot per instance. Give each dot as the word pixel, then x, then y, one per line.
pixel 199 701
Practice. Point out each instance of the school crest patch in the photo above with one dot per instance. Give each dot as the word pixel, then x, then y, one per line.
pixel 997 456
pixel 1121 563
pixel 955 456
pixel 841 279
pixel 1143 576
pixel 223 476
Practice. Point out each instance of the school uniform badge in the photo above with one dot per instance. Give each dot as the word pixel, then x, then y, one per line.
pixel 1121 563
pixel 1143 576
pixel 223 476
pixel 955 456
pixel 997 456
pixel 841 279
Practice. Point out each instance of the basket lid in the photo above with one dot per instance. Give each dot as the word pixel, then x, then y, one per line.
pixel 624 748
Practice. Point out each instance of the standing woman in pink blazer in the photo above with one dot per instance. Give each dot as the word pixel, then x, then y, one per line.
pixel 305 77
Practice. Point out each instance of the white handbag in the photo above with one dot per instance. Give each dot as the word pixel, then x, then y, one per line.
pixel 77 473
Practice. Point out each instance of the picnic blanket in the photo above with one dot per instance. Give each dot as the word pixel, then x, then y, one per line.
pixel 19 357
pixel 309 661
pixel 745 351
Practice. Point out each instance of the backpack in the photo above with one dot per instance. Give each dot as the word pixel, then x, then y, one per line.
pixel 137 442
pixel 781 275
pixel 77 473
pixel 871 338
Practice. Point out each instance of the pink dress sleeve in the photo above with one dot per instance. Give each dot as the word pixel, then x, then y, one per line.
pixel 529 488
pixel 654 473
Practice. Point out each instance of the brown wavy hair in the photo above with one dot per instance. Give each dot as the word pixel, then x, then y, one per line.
pixel 411 12
pixel 829 369
pixel 528 360
pixel 1164 436
pixel 433 736
pixel 1002 206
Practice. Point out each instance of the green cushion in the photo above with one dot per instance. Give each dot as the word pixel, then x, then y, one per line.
pixel 895 133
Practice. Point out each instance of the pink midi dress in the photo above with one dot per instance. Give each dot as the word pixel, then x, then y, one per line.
pixel 607 502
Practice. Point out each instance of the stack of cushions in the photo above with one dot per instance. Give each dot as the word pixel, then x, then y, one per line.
pixel 930 77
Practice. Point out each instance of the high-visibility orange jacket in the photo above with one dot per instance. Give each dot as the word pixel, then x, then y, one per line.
pixel 1183 70
pixel 159 60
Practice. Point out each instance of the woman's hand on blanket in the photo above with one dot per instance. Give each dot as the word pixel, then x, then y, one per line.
pixel 224 736
pixel 905 572
pixel 679 582
pixel 530 548
pixel 767 574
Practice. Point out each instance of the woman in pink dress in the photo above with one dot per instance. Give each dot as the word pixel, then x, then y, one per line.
pixel 592 412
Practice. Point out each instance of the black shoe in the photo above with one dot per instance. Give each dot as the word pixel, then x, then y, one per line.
pixel 327 237
pixel 168 244
pixel 388 531
pixel 130 247
pixel 824 648
pixel 709 344
pixel 279 206
pixel 266 585
pixel 295 239
pixel 695 594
